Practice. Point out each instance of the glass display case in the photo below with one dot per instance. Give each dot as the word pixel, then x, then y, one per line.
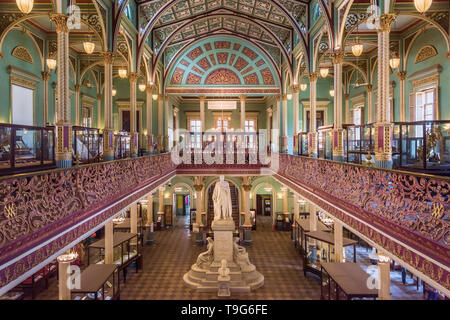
pixel 124 225
pixel 98 282
pixel 319 248
pixel 126 250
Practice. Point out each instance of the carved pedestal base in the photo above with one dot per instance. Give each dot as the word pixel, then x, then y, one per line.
pixel 204 274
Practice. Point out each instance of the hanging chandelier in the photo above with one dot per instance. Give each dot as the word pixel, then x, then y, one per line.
pixel 25 6
pixel 357 48
pixel 155 97
pixel 303 86
pixel 422 5
pixel 142 87
pixel 289 96
pixel 122 72
pixel 113 92
pixel 89 46
pixel 51 63
pixel 323 72
pixel 332 92
pixel 394 61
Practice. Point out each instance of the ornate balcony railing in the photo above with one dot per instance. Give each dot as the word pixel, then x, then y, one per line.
pixel 413 209
pixel 58 206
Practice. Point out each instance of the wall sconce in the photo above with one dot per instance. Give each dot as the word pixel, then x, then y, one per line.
pixel 323 72
pixel 113 92
pixel 142 87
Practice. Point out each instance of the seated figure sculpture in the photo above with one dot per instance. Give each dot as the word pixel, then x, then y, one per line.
pixel 204 259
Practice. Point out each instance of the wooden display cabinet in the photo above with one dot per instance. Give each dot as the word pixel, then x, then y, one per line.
pixel 125 226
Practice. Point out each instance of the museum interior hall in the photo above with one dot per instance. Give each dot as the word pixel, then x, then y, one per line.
pixel 224 149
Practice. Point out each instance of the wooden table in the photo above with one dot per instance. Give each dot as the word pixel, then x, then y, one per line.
pixel 347 280
pixel 94 278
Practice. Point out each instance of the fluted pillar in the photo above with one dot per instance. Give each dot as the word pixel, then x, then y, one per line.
pixel 77 104
pixel 99 109
pixel 242 100
pixel 402 76
pixel 108 132
pixel 338 133
pixel 383 126
pixel 202 112
pixel 284 136
pixel 175 125
pixel 246 187
pixel 45 77
pixel 62 121
pixel 134 140
pixel 149 118
pixel 312 135
pixel 109 246
pixel 166 122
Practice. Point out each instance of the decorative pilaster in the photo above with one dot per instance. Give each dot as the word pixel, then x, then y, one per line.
pixel 175 125
pixel 347 107
pixel 108 133
pixel 369 103
pixel 242 100
pixel 312 135
pixel 161 205
pixel 160 122
pixel 338 134
pixel 166 122
pixel 402 76
pixel 77 104
pixel 149 118
pixel 149 224
pixel 284 136
pixel 246 187
pixel 62 121
pixel 269 127
pixel 99 109
pixel 202 112
pixel 338 242
pixel 296 93
pixel 134 136
pixel 383 126
pixel 45 77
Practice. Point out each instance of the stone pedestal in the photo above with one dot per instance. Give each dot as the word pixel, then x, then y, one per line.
pixel 223 239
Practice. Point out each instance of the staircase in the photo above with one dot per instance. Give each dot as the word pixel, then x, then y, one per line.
pixel 234 204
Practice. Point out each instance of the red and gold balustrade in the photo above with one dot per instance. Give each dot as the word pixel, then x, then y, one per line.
pixel 405 213
pixel 43 212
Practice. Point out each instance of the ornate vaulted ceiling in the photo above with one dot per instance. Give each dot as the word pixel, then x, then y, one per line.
pixel 222 62
pixel 267 22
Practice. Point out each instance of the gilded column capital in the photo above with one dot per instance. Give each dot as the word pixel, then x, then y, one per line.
pixel 133 76
pixel 202 98
pixel 346 96
pixel 45 75
pixel 160 97
pixel 198 187
pixel 278 98
pixel 313 76
pixel 295 88
pixel 78 88
pixel 60 20
pixel 369 88
pixel 242 97
pixel 99 96
pixel 269 111
pixel 385 21
pixel 108 57
pixel 337 56
pixel 401 75
pixel 247 187
pixel 284 97
pixel 149 88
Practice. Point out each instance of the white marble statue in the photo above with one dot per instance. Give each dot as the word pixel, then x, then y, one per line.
pixel 222 200
pixel 206 258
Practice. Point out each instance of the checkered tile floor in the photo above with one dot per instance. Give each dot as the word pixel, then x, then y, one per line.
pixel 174 252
